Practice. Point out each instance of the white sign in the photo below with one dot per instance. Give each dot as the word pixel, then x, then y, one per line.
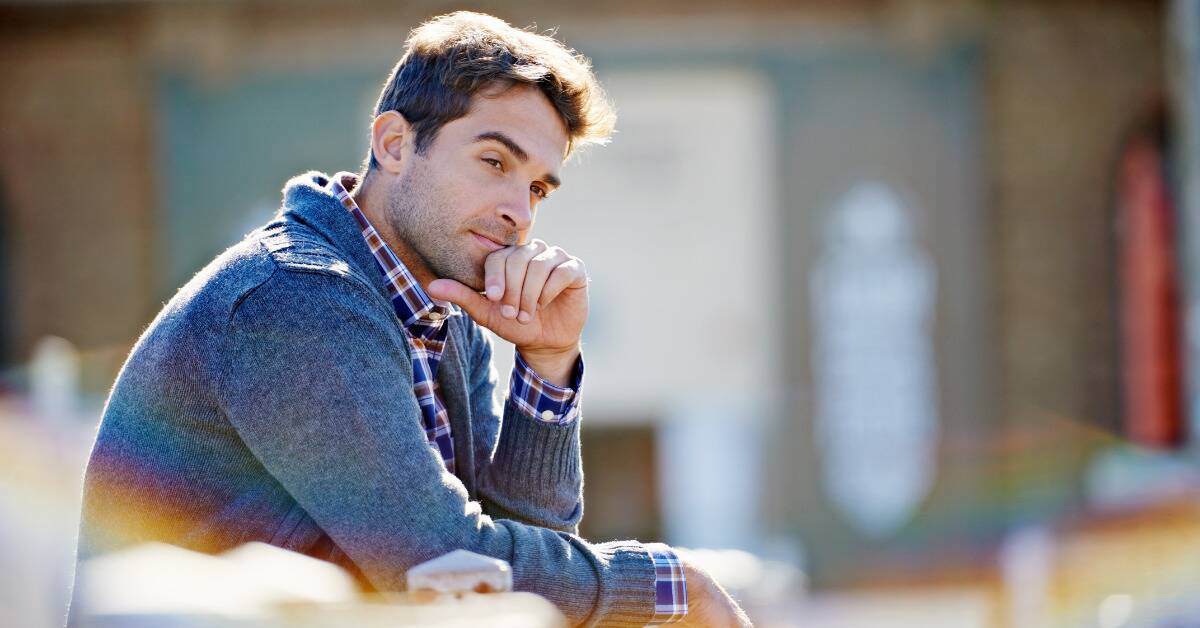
pixel 872 294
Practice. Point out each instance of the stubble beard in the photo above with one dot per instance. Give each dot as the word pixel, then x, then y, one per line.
pixel 418 217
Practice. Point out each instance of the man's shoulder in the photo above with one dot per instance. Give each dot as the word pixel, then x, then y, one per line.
pixel 278 249
pixel 293 247
pixel 282 252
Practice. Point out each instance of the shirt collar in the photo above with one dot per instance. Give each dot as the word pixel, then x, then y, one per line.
pixel 420 314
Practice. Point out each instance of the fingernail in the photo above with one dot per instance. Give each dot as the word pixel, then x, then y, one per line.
pixel 524 317
pixel 508 311
pixel 493 292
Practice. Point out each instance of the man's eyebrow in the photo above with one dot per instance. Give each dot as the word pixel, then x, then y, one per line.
pixel 516 150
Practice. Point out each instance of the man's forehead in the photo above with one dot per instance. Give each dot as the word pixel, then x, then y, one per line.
pixel 522 114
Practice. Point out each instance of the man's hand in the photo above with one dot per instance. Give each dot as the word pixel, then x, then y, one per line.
pixel 708 603
pixel 536 299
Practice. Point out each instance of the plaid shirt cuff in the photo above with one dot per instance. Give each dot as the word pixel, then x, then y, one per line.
pixel 670 589
pixel 542 399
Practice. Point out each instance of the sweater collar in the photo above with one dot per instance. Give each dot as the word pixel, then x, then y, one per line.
pixel 324 204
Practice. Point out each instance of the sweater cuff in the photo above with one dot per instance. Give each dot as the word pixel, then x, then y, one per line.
pixel 627 594
pixel 529 448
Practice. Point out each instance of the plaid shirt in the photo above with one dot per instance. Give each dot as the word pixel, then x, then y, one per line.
pixel 423 321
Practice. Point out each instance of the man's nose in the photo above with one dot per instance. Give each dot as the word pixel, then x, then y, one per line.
pixel 517 211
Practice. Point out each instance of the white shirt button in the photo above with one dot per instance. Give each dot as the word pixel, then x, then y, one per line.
pixel 436 316
pixel 547 415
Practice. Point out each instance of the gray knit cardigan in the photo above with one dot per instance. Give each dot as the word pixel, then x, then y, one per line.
pixel 271 400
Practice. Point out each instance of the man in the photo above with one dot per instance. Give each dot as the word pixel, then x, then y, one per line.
pixel 325 385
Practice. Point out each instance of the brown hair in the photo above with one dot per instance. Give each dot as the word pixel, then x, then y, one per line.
pixel 452 57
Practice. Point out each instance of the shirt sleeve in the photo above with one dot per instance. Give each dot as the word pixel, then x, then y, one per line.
pixel 540 398
pixel 670 586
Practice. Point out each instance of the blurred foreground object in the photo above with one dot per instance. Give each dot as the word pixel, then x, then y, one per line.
pixel 262 586
pixel 777 595
pixel 1139 567
pixel 461 571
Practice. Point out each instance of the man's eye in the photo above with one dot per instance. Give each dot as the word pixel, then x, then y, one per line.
pixel 538 191
pixel 495 163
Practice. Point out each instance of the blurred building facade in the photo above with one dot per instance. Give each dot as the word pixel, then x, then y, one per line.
pixel 913 199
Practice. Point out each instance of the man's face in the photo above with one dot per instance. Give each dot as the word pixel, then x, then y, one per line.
pixel 476 188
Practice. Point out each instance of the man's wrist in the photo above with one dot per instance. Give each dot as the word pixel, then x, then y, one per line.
pixel 555 367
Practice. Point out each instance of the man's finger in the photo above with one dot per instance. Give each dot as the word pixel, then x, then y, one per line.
pixel 493 273
pixel 473 303
pixel 569 274
pixel 515 267
pixel 539 270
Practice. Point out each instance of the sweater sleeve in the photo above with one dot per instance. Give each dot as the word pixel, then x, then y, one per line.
pixel 529 470
pixel 318 387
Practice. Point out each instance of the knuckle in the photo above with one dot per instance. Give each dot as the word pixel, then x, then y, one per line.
pixel 574 266
pixel 523 255
pixel 515 263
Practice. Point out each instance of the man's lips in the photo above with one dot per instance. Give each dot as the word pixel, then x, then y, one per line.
pixel 488 243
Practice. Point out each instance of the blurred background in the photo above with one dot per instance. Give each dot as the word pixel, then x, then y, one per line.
pixel 901 299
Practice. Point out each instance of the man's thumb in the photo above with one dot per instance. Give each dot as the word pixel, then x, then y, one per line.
pixel 473 303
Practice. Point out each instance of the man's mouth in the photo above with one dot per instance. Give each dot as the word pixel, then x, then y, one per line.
pixel 488 243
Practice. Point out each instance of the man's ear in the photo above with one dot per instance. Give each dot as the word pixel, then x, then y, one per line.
pixel 391 136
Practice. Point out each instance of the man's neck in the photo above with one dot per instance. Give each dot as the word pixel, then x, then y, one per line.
pixel 372 200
